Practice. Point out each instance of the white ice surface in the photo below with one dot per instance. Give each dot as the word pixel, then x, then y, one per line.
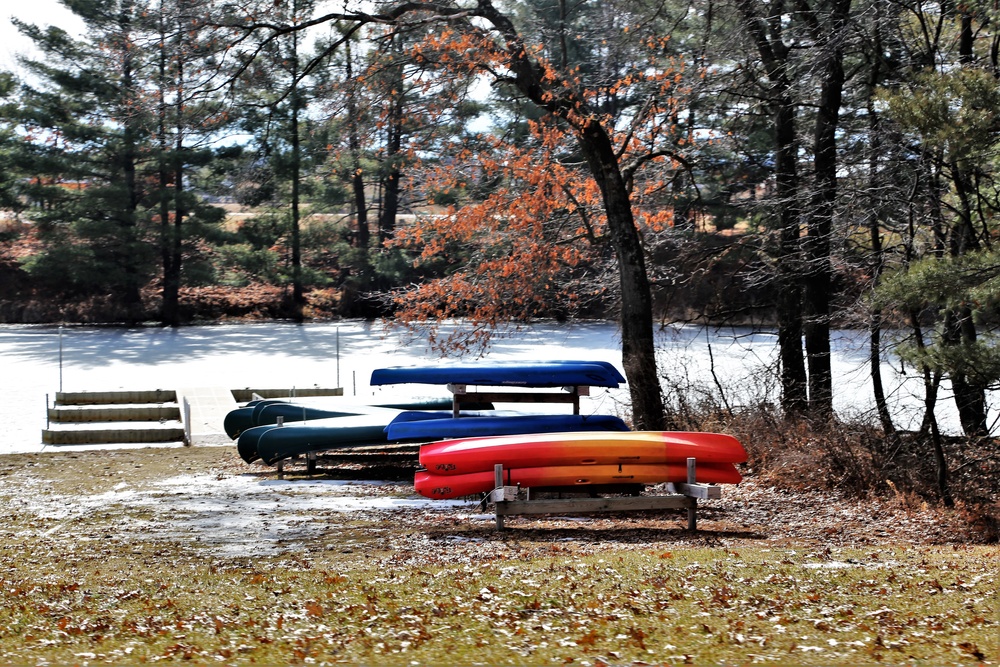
pixel 37 361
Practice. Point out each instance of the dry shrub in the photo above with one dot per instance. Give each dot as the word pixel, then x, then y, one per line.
pixel 253 302
pixel 798 454
pixel 983 519
pixel 323 303
pixel 856 460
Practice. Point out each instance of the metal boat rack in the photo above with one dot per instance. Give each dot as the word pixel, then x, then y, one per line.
pixel 462 396
pixel 685 495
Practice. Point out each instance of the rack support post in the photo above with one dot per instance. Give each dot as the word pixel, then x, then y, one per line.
pixel 692 512
pixel 498 484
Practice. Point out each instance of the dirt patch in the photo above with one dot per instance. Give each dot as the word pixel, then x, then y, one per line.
pixel 181 487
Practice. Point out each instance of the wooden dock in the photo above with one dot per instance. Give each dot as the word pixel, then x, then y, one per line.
pixel 185 416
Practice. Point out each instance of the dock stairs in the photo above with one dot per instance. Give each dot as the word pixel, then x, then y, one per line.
pixel 192 416
pixel 104 417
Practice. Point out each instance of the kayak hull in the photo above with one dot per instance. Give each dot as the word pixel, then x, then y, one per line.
pixel 471 455
pixel 500 374
pixel 484 426
pixel 265 412
pixel 273 443
pixel 280 443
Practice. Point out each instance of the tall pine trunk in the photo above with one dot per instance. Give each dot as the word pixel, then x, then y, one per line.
pixel 131 293
pixel 363 234
pixel 774 54
pixel 819 270
pixel 298 294
pixel 394 138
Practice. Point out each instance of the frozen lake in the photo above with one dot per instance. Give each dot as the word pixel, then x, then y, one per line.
pixel 38 361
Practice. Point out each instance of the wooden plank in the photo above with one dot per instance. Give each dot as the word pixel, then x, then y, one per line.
pixel 515 397
pixel 85 436
pixel 115 397
pixel 702 491
pixel 114 413
pixel 460 399
pixel 692 513
pixel 591 505
pixel 247 393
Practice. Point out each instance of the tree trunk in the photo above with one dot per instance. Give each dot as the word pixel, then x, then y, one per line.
pixel 819 271
pixel 775 57
pixel 875 179
pixel 172 270
pixel 970 399
pixel 560 99
pixel 363 234
pixel 298 296
pixel 172 280
pixel 794 396
pixel 131 294
pixel 394 139
pixel 638 344
pixel 169 306
pixel 959 328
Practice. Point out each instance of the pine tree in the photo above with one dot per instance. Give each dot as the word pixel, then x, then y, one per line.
pixel 86 138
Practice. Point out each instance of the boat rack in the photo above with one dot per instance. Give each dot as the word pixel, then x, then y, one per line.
pixel 462 396
pixel 382 453
pixel 685 495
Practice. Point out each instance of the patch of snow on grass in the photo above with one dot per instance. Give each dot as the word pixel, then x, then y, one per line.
pixel 237 515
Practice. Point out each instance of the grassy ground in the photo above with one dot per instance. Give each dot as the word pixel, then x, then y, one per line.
pixel 190 555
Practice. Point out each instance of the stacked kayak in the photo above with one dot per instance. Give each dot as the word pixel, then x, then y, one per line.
pixel 266 412
pixel 271 444
pixel 437 427
pixel 462 467
pixel 459 448
pixel 326 424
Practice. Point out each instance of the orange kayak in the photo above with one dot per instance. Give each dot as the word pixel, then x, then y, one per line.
pixel 441 487
pixel 542 450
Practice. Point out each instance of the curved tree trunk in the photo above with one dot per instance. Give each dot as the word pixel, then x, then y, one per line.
pixel 560 99
pixel 638 345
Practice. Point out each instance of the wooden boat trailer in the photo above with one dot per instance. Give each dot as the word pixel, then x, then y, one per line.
pixel 686 495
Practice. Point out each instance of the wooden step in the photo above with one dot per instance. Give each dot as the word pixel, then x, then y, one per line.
pixel 96 436
pixel 247 394
pixel 114 413
pixel 115 397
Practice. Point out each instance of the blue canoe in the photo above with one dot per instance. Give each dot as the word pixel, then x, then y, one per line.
pixel 266 412
pixel 272 443
pixel 506 374
pixel 282 442
pixel 328 433
pixel 241 419
pixel 469 427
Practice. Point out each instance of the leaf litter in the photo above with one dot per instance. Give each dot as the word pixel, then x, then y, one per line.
pixel 192 556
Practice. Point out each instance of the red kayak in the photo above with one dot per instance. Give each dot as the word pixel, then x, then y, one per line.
pixel 453 486
pixel 541 450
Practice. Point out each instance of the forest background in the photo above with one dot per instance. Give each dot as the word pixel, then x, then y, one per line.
pixel 796 165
